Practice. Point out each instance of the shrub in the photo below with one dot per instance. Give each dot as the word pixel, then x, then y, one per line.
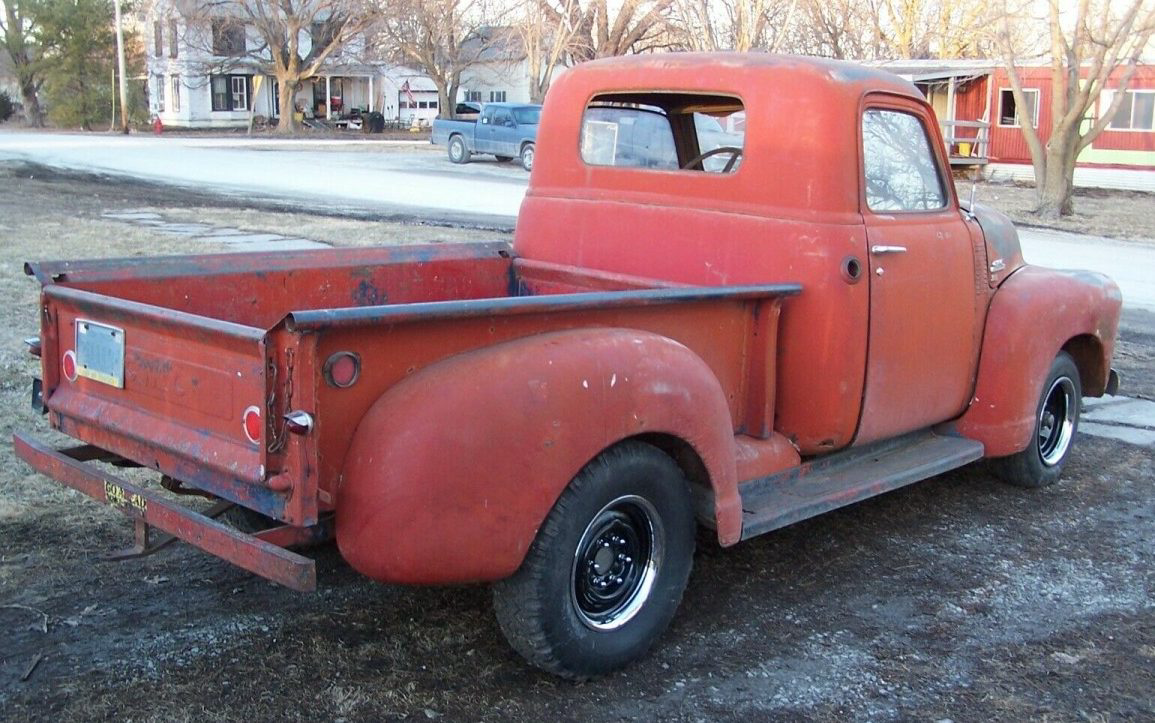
pixel 6 106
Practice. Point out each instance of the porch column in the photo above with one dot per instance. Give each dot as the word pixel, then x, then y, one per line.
pixel 370 93
pixel 950 114
pixel 328 98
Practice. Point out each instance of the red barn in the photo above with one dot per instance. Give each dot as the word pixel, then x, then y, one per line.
pixel 982 123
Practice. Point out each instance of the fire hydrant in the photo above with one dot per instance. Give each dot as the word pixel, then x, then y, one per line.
pixel 157 126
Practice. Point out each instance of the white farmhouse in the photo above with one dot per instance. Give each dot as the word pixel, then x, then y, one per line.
pixel 202 73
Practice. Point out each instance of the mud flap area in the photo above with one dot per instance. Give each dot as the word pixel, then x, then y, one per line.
pixel 262 553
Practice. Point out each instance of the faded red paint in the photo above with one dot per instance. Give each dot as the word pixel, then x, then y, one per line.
pixel 1036 313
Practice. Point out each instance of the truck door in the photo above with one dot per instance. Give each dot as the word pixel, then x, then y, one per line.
pixel 483 133
pixel 504 130
pixel 923 347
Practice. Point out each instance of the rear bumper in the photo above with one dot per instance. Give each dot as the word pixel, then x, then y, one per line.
pixel 249 552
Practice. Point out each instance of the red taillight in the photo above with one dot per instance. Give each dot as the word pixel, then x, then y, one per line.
pixel 68 365
pixel 251 423
pixel 342 369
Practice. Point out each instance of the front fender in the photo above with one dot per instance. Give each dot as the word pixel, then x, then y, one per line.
pixel 1035 314
pixel 452 471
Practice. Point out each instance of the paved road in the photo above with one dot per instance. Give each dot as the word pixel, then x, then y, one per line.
pixel 415 178
pixel 401 177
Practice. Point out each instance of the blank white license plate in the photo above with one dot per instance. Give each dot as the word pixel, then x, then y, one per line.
pixel 100 352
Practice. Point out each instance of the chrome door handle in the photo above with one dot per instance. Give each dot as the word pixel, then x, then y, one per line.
pixel 887 249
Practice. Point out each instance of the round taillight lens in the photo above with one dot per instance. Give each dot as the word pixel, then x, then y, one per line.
pixel 251 423
pixel 68 365
pixel 342 369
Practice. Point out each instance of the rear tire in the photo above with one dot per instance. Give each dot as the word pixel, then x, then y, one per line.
pixel 527 153
pixel 605 574
pixel 1056 421
pixel 458 151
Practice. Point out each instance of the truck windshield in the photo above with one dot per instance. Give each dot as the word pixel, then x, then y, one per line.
pixel 527 116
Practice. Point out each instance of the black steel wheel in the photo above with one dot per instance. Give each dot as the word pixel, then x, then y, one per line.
pixel 606 572
pixel 1056 422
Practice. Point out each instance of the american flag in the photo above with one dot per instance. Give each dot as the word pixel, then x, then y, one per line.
pixel 408 92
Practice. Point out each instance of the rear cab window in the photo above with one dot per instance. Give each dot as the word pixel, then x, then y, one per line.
pixel 664 131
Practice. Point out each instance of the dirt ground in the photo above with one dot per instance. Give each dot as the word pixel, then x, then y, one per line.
pixel 1099 212
pixel 958 598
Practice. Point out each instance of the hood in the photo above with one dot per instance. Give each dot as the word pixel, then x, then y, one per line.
pixel 1004 254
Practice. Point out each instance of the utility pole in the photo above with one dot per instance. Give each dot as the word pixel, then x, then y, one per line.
pixel 120 66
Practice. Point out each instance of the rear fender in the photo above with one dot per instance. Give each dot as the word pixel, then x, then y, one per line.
pixel 1034 315
pixel 452 471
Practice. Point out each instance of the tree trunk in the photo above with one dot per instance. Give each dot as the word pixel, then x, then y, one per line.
pixel 286 90
pixel 445 107
pixel 1056 191
pixel 33 117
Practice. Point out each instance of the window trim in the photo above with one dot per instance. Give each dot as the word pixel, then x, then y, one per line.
pixel 160 93
pixel 936 152
pixel 229 92
pixel 1016 124
pixel 1105 104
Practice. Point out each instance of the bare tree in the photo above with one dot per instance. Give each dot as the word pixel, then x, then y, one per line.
pixel 740 25
pixel 546 38
pixel 603 29
pixel 294 38
pixel 19 40
pixel 837 29
pixel 443 38
pixel 1100 41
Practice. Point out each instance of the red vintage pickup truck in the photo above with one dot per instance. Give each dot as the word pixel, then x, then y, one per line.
pixel 734 324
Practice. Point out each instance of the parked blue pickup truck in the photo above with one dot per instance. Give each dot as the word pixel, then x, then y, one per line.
pixel 506 130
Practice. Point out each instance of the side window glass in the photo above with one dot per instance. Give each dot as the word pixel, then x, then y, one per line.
pixel 901 174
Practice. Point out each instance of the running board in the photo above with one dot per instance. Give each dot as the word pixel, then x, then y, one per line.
pixel 769 503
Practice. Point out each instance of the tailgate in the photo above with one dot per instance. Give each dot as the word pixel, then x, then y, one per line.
pixel 164 388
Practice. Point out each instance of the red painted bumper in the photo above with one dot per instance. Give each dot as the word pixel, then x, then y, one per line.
pixel 246 551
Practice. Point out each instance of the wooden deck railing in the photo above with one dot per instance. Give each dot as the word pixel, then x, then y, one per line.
pixel 967 142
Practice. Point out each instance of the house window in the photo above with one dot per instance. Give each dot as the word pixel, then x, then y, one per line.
pixel 157 39
pixel 172 51
pixel 240 91
pixel 497 96
pixel 901 173
pixel 473 96
pixel 175 99
pixel 230 92
pixel 1136 111
pixel 160 94
pixel 228 38
pixel 1009 113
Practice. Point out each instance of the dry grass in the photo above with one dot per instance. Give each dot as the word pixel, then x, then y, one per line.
pixel 1128 215
pixel 331 230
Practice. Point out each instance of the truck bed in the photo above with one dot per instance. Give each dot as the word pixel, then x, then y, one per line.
pixel 205 339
